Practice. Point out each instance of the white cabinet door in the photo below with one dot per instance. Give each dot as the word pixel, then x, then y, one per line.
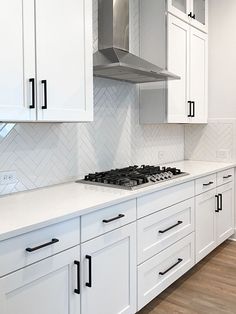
pixel 199 9
pixel 64 60
pixel 180 8
pixel 225 216
pixel 198 76
pixel 17 60
pixel 205 224
pixel 109 273
pixel 45 287
pixel 178 63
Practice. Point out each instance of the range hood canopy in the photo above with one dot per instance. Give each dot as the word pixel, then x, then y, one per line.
pixel 113 59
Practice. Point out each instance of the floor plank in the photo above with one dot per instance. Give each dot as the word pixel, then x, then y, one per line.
pixel 209 288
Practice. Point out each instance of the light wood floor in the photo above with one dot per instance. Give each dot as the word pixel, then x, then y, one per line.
pixel 209 288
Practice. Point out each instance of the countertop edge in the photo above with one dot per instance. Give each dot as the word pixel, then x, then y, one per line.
pixel 135 194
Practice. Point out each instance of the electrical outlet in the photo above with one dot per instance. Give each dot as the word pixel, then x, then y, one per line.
pixel 161 156
pixel 223 154
pixel 8 177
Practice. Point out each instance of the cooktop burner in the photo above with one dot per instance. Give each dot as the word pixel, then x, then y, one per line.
pixel 133 177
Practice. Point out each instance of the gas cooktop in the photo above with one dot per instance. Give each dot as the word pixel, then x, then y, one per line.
pixel 133 177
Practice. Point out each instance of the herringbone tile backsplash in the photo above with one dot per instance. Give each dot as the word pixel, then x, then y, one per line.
pixel 207 142
pixel 46 154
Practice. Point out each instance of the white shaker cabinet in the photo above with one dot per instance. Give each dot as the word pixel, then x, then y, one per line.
pixel 46 61
pixel 205 224
pixel 64 60
pixel 214 218
pixel 198 82
pixel 188 57
pixel 178 62
pixel 173 43
pixel 108 278
pixel 45 287
pixel 179 8
pixel 17 62
pixel 199 14
pixel 225 216
pixel 194 12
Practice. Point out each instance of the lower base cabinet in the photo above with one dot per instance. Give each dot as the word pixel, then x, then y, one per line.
pixel 205 224
pixel 46 287
pixel 214 219
pixel 108 275
pixel 225 216
pixel 156 274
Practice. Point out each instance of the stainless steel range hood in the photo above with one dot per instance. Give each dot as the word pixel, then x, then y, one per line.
pixel 113 59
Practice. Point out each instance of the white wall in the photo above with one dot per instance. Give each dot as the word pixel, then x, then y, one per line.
pixel 222 59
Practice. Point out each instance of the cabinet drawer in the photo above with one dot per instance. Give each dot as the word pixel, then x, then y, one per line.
pixel 160 230
pixel 225 176
pixel 156 201
pixel 13 254
pixel 107 219
pixel 205 184
pixel 156 274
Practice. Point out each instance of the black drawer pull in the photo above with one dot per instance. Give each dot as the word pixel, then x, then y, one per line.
pixel 217 204
pixel 166 271
pixel 220 202
pixel 190 109
pixel 207 184
pixel 45 105
pixel 227 177
pixel 42 246
pixel 193 115
pixel 32 81
pixel 106 221
pixel 89 283
pixel 176 225
pixel 77 291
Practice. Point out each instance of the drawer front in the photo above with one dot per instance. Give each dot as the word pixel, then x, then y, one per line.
pixel 156 201
pixel 156 274
pixel 13 254
pixel 205 184
pixel 160 230
pixel 225 176
pixel 107 219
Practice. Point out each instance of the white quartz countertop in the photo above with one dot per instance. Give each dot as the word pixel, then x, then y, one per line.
pixel 27 211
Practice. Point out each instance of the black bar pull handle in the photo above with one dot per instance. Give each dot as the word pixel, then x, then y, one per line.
pixel 89 283
pixel 176 225
pixel 171 267
pixel 207 184
pixel 190 109
pixel 45 105
pixel 193 103
pixel 228 176
pixel 217 204
pixel 190 14
pixel 220 201
pixel 77 290
pixel 53 241
pixel 32 81
pixel 106 221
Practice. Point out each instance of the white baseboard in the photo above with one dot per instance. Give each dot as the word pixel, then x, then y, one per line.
pixel 233 237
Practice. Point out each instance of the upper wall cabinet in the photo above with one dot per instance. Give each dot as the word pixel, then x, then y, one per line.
pixel 194 12
pixel 172 43
pixel 55 39
pixel 17 60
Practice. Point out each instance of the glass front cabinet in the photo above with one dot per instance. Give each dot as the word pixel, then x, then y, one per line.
pixel 194 12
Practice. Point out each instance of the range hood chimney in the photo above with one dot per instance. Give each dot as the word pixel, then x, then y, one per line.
pixel 113 59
